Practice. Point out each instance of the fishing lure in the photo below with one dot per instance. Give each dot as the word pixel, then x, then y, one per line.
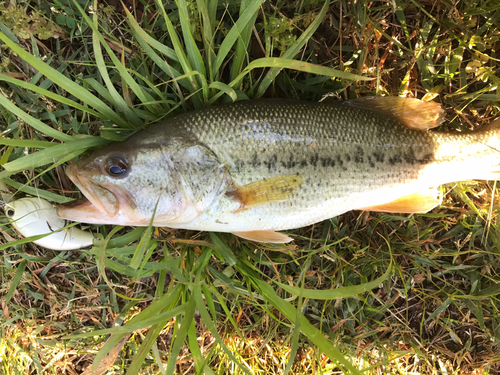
pixel 36 216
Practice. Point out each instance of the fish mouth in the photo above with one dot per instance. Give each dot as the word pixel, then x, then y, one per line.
pixel 98 202
pixel 81 210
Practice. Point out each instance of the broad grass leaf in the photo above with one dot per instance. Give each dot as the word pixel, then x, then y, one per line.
pixel 28 143
pixel 138 258
pixel 241 52
pixel 126 238
pixel 342 292
pixel 165 50
pixel 439 310
pixel 149 316
pixel 193 53
pixel 211 326
pixel 208 13
pixel 37 192
pixel 115 97
pixel 67 84
pixel 33 122
pixel 144 349
pixel 293 50
pixel 49 155
pixel 486 292
pixel 236 32
pixel 226 89
pixel 222 250
pixel 49 94
pixel 287 309
pixel 199 359
pixel 186 322
pixel 161 63
pixel 15 282
pixel 183 60
pixel 108 353
pixel 282 63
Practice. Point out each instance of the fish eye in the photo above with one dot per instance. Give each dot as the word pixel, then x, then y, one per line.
pixel 116 167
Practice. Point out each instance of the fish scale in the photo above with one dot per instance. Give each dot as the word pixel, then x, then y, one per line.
pixel 226 168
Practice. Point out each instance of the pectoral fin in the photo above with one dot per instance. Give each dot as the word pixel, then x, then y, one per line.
pixel 411 203
pixel 267 236
pixel 268 190
pixel 412 112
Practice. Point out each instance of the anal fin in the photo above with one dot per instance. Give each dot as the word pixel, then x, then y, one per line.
pixel 423 201
pixel 266 236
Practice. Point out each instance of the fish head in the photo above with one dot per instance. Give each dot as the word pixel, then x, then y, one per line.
pixel 131 182
pixel 102 178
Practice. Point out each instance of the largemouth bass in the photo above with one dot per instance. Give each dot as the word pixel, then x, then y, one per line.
pixel 253 168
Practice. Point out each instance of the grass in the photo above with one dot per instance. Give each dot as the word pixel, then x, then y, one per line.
pixel 360 293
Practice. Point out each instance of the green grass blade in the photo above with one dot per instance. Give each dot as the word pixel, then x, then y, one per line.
pixel 302 66
pixel 187 321
pixel 296 331
pixel 225 89
pixel 138 257
pixel 193 53
pixel 402 20
pixel 241 52
pixel 343 292
pixel 48 155
pixel 156 355
pixel 439 310
pixel 49 94
pixel 207 14
pixel 161 63
pixel 293 50
pixel 287 309
pixel 111 343
pixel 199 359
pixel 229 316
pixel 236 32
pixel 27 143
pixel 37 192
pixel 117 99
pixel 145 348
pixel 64 82
pixel 134 326
pixel 167 51
pixel 200 305
pixel 33 122
pixel 143 96
pixel 179 50
pixel 15 281
pixel 221 249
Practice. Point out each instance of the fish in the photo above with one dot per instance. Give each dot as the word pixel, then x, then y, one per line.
pixel 255 168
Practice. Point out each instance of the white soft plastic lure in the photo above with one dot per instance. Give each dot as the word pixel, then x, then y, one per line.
pixel 35 216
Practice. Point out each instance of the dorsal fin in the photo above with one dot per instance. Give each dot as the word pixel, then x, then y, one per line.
pixel 414 113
